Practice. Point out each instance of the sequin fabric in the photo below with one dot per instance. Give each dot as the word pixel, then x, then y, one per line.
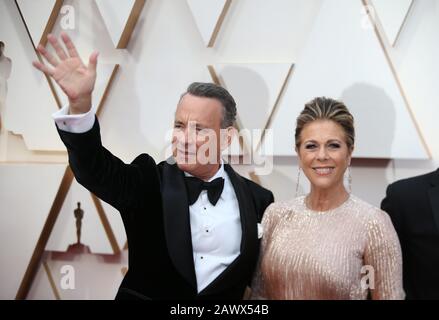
pixel 351 252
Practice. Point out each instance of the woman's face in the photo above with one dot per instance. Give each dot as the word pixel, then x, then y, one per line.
pixel 323 154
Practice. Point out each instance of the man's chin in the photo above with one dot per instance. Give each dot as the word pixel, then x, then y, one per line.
pixel 186 166
pixel 186 163
pixel 190 166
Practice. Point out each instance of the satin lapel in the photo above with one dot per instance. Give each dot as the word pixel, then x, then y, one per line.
pixel 177 222
pixel 249 220
pixel 249 240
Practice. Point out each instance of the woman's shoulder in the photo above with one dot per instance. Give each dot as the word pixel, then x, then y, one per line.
pixel 280 209
pixel 368 211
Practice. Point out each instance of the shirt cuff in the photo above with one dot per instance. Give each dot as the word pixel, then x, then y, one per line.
pixel 74 123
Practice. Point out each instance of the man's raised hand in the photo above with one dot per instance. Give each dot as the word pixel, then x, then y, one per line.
pixel 75 78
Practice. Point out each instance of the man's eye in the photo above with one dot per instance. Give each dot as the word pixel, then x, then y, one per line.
pixel 177 126
pixel 202 130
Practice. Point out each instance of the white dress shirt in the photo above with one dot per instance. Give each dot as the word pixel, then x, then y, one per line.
pixel 76 123
pixel 215 230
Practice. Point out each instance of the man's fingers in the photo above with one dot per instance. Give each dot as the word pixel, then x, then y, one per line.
pixel 93 61
pixel 56 45
pixel 43 68
pixel 48 56
pixel 69 45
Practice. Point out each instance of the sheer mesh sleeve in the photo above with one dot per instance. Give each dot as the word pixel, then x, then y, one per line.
pixel 258 286
pixel 383 255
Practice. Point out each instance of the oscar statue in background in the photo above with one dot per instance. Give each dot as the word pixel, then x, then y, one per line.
pixel 79 214
pixel 78 247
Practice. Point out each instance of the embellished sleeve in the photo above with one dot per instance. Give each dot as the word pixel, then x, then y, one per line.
pixel 269 220
pixel 383 259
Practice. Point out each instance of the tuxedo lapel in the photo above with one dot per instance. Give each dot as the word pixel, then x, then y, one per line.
pixel 177 221
pixel 247 211
pixel 433 194
pixel 249 241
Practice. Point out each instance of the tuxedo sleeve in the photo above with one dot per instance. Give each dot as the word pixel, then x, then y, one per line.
pixel 390 204
pixel 98 170
pixel 263 201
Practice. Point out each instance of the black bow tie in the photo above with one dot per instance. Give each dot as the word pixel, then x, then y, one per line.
pixel 195 186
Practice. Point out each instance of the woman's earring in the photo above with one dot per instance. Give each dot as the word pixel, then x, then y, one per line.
pixel 349 179
pixel 298 181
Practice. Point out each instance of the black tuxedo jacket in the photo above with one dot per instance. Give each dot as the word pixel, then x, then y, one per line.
pixel 152 200
pixel 413 205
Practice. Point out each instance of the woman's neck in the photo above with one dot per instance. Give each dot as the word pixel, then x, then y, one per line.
pixel 326 199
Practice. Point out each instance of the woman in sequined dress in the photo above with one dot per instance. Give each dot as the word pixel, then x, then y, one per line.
pixel 328 244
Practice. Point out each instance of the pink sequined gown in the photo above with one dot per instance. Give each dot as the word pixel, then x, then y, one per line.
pixel 343 253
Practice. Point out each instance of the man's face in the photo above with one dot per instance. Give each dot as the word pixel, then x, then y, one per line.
pixel 196 138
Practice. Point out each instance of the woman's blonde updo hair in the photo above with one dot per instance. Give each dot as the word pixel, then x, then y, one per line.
pixel 323 108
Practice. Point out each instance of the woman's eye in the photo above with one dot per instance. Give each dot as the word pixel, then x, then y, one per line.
pixel 310 146
pixel 334 145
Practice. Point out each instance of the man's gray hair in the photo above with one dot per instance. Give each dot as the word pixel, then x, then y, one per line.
pixel 211 90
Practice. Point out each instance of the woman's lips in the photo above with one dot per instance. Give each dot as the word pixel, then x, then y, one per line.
pixel 323 171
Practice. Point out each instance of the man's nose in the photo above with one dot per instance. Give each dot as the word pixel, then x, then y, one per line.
pixel 190 135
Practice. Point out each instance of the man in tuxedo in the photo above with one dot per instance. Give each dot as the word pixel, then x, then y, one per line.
pixel 413 205
pixel 191 221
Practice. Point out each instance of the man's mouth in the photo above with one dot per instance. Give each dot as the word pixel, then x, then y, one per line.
pixel 185 152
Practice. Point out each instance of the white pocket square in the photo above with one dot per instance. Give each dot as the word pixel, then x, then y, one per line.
pixel 260 231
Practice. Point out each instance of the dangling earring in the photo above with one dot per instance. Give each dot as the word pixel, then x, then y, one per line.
pixel 349 180
pixel 298 181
